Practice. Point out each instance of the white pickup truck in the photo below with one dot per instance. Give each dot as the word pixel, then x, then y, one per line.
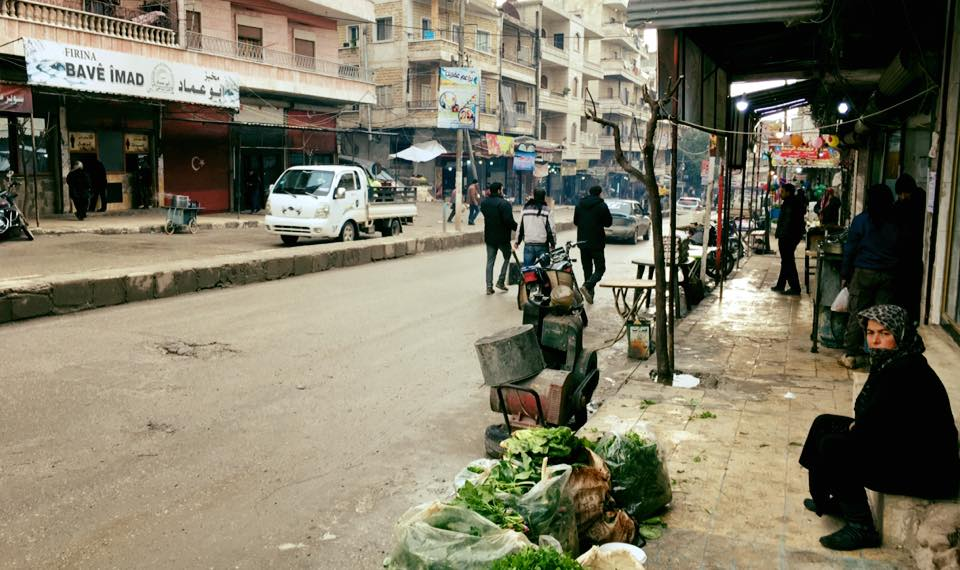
pixel 327 201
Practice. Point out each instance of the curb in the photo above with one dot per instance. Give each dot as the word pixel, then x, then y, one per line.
pixel 144 229
pixel 59 295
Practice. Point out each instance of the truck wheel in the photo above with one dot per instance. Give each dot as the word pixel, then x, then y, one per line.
pixel 394 228
pixel 492 437
pixel 348 232
pixel 290 240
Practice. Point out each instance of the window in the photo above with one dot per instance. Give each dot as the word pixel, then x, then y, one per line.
pixel 483 41
pixel 249 42
pixel 543 82
pixel 576 42
pixel 543 130
pixel 576 87
pixel 558 41
pixel 609 92
pixel 304 48
pixel 353 36
pixel 384 29
pixel 426 29
pixel 348 182
pixel 383 96
pixel 457 32
pixel 573 133
pixel 193 30
pixel 520 107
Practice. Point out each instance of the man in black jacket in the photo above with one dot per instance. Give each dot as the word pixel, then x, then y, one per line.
pixel 98 184
pixel 590 216
pixel 790 230
pixel 79 185
pixel 498 223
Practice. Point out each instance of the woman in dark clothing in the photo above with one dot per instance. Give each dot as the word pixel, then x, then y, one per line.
pixel 901 440
pixel 829 209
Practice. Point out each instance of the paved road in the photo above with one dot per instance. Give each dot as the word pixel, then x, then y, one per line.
pixel 283 424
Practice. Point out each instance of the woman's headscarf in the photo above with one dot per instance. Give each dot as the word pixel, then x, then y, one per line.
pixel 895 320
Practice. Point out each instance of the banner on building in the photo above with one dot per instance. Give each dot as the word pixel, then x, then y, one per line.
pixel 458 97
pixel 823 157
pixel 499 145
pixel 53 64
pixel 16 99
pixel 524 158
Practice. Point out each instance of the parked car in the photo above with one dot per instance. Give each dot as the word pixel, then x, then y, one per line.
pixel 689 211
pixel 629 221
pixel 326 201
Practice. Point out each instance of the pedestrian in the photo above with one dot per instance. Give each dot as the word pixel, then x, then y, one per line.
pixel 790 229
pixel 78 184
pixel 498 224
pixel 590 216
pixel 98 184
pixel 144 184
pixel 901 440
pixel 536 231
pixel 252 188
pixel 453 205
pixel 911 217
pixel 473 197
pixel 829 208
pixel 870 261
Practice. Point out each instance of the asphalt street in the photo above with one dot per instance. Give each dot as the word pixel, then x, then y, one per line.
pixel 283 424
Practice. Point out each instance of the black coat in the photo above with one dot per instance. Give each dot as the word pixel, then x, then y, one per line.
pixel 790 225
pixel 79 183
pixel 498 221
pixel 905 432
pixel 97 173
pixel 590 216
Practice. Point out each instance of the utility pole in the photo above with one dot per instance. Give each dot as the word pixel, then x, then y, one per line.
pixel 458 186
pixel 364 46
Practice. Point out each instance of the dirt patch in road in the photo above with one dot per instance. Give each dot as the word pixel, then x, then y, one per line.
pixel 201 350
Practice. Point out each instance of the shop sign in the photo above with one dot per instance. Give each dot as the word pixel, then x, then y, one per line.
pixel 457 98
pixel 823 157
pixel 568 169
pixel 499 145
pixel 83 142
pixel 525 158
pixel 53 64
pixel 136 143
pixel 16 99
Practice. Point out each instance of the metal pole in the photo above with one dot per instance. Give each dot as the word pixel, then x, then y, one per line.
pixel 36 192
pixel 458 185
pixel 711 172
pixel 743 190
pixel 672 307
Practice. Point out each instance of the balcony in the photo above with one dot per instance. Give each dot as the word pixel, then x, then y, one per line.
pixel 614 106
pixel 617 33
pixel 422 105
pixel 554 102
pixel 28 12
pixel 438 45
pixel 554 56
pixel 267 56
pixel 591 70
pixel 617 67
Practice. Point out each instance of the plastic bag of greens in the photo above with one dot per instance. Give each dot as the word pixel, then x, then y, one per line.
pixel 475 472
pixel 638 471
pixel 548 509
pixel 437 536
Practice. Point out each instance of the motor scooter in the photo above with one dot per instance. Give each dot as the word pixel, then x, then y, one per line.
pixel 12 221
pixel 552 269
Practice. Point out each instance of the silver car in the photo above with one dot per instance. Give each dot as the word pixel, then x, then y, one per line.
pixel 629 221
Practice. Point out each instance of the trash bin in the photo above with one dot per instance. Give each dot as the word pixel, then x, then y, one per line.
pixel 639 342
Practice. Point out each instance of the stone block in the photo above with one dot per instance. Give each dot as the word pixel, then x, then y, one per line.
pixel 140 287
pixel 166 284
pixel 71 294
pixel 254 271
pixel 389 250
pixel 6 310
pixel 400 248
pixel 302 264
pixel 251 224
pixel 278 268
pixel 350 257
pixel 378 252
pixel 207 277
pixel 411 245
pixel 185 281
pixel 231 225
pixel 28 305
pixel 232 274
pixel 109 291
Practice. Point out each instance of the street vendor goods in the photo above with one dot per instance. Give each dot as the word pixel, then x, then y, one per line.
pixel 641 485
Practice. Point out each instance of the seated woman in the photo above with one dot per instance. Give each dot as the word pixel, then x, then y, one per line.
pixel 901 440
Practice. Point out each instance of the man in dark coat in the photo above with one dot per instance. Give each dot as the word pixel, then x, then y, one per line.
pixel 78 185
pixel 498 223
pixel 590 216
pixel 902 439
pixel 98 184
pixel 790 230
pixel 910 215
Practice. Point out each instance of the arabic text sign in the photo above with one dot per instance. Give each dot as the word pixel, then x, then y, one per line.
pixel 15 99
pixel 457 100
pixel 823 157
pixel 83 142
pixel 101 71
pixel 136 143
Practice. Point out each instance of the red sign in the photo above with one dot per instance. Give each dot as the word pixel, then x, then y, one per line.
pixel 16 99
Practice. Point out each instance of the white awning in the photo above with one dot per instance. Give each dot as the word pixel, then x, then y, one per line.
pixel 421 152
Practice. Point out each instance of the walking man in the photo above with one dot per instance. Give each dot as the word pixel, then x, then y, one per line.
pixel 453 205
pixel 790 230
pixel 498 223
pixel 536 231
pixel 473 196
pixel 590 216
pixel 98 184
pixel 78 185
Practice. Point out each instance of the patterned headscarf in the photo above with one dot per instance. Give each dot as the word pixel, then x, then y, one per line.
pixel 895 320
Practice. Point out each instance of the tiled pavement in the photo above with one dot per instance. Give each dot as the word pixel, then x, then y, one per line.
pixel 737 486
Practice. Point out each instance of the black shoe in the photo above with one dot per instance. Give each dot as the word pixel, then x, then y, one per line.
pixel 852 536
pixel 777 288
pixel 831 508
pixel 501 286
pixel 489 290
pixel 792 292
pixel 587 294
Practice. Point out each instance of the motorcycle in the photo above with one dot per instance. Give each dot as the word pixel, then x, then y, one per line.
pixel 11 218
pixel 551 270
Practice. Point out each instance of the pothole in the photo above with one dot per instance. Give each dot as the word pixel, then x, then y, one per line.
pixel 159 426
pixel 201 350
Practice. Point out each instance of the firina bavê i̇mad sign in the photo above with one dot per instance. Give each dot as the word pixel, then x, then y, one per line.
pixel 53 64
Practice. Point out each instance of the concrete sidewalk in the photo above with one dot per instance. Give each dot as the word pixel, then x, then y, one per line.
pixel 733 442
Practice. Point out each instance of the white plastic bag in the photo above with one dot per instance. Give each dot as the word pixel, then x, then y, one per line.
pixel 842 303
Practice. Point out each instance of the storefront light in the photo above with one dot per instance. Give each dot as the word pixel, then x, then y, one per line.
pixel 843 107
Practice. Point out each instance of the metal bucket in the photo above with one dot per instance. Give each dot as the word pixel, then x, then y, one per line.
pixel 639 341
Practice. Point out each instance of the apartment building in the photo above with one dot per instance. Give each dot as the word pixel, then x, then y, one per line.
pixel 207 98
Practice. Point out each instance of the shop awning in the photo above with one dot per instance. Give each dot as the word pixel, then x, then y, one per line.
pixel 669 14
pixel 421 152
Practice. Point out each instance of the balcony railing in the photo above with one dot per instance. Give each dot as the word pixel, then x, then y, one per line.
pixel 422 105
pixel 523 56
pixel 79 20
pixel 259 54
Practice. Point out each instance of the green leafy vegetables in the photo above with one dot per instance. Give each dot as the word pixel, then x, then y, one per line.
pixel 536 559
pixel 481 500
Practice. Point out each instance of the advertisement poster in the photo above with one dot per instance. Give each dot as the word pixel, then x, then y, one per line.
pixel 525 158
pixel 458 97
pixel 16 99
pixel 499 145
pixel 53 64
pixel 823 157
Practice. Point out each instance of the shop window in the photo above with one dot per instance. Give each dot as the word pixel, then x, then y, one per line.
pixel 16 145
pixel 384 29
pixel 483 41
pixel 110 148
pixel 194 30
pixel 249 42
